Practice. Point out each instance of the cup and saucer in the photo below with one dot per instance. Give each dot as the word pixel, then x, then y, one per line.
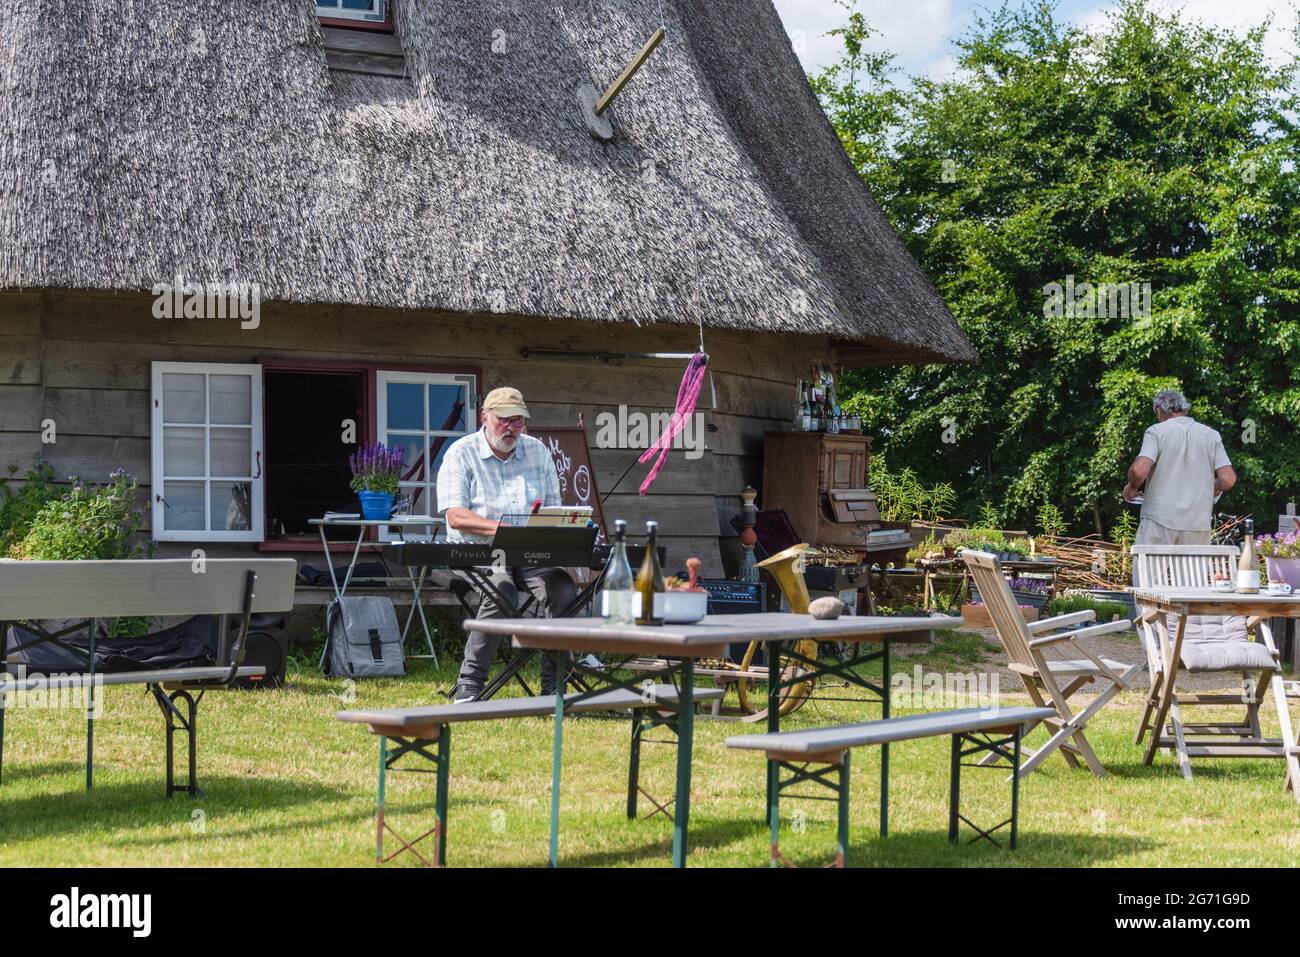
pixel 1279 589
pixel 1224 585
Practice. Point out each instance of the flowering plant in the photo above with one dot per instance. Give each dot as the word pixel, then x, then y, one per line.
pixel 1038 586
pixel 1280 545
pixel 376 468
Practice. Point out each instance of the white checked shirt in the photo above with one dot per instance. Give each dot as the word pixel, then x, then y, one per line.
pixel 472 477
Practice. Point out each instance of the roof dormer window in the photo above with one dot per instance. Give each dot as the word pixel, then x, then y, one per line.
pixel 365 14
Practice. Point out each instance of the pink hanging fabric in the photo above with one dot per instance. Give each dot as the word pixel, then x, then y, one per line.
pixel 688 393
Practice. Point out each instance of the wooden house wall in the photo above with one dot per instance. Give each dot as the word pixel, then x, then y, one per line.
pixel 83 361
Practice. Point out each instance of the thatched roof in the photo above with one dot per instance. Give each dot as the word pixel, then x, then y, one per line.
pixel 207 139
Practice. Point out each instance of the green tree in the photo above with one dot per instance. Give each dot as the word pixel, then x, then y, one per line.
pixel 1152 150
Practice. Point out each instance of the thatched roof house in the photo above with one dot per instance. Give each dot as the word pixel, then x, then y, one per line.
pixel 431 197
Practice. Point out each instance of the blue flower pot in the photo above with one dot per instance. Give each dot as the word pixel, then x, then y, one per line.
pixel 376 506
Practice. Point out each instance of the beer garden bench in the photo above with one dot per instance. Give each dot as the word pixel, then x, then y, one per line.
pixel 87 591
pixel 414 730
pixel 821 756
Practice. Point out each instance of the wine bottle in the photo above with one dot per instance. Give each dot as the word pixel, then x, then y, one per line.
pixel 650 586
pixel 797 421
pixel 805 413
pixel 1248 563
pixel 618 597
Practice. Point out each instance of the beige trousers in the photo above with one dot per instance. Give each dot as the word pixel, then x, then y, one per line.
pixel 1152 533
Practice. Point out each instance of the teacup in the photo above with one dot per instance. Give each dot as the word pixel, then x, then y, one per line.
pixel 1224 584
pixel 1279 588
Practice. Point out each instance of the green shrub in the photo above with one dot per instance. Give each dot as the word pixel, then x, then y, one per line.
pixel 1106 610
pixel 86 523
pixel 17 509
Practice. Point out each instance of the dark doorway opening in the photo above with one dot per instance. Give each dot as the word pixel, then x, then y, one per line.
pixel 307 472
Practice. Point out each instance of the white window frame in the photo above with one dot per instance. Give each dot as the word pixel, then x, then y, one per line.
pixel 257 520
pixel 383 378
pixel 380 15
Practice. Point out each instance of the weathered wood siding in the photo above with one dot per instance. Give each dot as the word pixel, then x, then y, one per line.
pixel 83 360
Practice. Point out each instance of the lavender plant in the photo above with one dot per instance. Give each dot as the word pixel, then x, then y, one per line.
pixel 376 468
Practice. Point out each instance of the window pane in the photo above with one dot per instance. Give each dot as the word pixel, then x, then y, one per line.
pixel 412 447
pixel 182 397
pixel 417 498
pixel 231 506
pixel 232 452
pixel 183 506
pixel 405 405
pixel 447 408
pixel 359 4
pixel 183 452
pixel 231 399
pixel 438 455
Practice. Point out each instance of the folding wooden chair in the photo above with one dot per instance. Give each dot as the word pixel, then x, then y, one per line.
pixel 1052 682
pixel 1204 644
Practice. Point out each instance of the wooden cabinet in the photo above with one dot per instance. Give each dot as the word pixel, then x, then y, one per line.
pixel 802 469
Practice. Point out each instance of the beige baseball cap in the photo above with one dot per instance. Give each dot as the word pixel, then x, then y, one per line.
pixel 506 402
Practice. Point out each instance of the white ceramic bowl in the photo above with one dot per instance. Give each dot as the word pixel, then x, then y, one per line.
pixel 685 607
pixel 1225 585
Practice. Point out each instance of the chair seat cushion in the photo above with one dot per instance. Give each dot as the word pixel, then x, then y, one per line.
pixel 1210 654
pixel 1210 627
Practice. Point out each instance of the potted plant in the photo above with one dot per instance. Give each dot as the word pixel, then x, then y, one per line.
pixel 375 474
pixel 1282 552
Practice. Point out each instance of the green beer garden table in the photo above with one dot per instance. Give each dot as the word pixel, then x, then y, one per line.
pixel 680 646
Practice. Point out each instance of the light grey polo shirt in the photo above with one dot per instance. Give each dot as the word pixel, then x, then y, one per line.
pixel 1180 488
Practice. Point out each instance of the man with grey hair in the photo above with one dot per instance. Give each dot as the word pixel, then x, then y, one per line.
pixel 1184 467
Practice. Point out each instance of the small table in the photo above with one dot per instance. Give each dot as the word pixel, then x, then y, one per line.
pixel 955 568
pixel 680 646
pixel 1154 604
pixel 417 580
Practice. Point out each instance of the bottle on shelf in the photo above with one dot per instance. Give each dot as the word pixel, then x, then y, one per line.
pixel 619 593
pixel 805 412
pixel 1248 563
pixel 650 585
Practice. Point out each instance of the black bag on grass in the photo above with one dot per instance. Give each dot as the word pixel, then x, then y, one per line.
pixel 191 644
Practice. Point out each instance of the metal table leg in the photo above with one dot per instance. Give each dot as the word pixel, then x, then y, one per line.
pixel 685 740
pixel 556 755
pixel 339 592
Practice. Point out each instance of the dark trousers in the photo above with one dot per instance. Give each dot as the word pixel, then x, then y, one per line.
pixel 553 589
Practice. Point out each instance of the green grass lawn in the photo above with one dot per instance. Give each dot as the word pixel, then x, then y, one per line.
pixel 288 785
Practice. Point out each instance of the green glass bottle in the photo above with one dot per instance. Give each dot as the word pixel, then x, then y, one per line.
pixel 650 585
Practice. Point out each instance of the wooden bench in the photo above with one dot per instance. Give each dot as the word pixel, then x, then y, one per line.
pixel 821 756
pixel 413 730
pixel 87 591
pixel 723 677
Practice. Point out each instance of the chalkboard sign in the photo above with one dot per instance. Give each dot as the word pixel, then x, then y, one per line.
pixel 568 447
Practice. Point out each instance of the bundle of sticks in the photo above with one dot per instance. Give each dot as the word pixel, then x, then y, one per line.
pixel 1084 562
pixel 1089 561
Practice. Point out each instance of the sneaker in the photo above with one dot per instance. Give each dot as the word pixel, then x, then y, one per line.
pixel 465 693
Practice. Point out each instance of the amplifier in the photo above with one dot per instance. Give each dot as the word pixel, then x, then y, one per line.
pixel 735 598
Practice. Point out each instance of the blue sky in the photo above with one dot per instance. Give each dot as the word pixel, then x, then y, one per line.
pixel 920 32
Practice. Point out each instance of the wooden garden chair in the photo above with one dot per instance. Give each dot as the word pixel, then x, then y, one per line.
pixel 1051 682
pixel 1203 644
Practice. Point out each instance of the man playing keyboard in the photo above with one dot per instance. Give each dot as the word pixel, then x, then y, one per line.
pixel 499 470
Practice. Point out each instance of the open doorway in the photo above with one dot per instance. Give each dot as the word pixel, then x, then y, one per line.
pixel 307 472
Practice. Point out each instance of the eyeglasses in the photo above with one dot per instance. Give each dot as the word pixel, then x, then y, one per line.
pixel 515 422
